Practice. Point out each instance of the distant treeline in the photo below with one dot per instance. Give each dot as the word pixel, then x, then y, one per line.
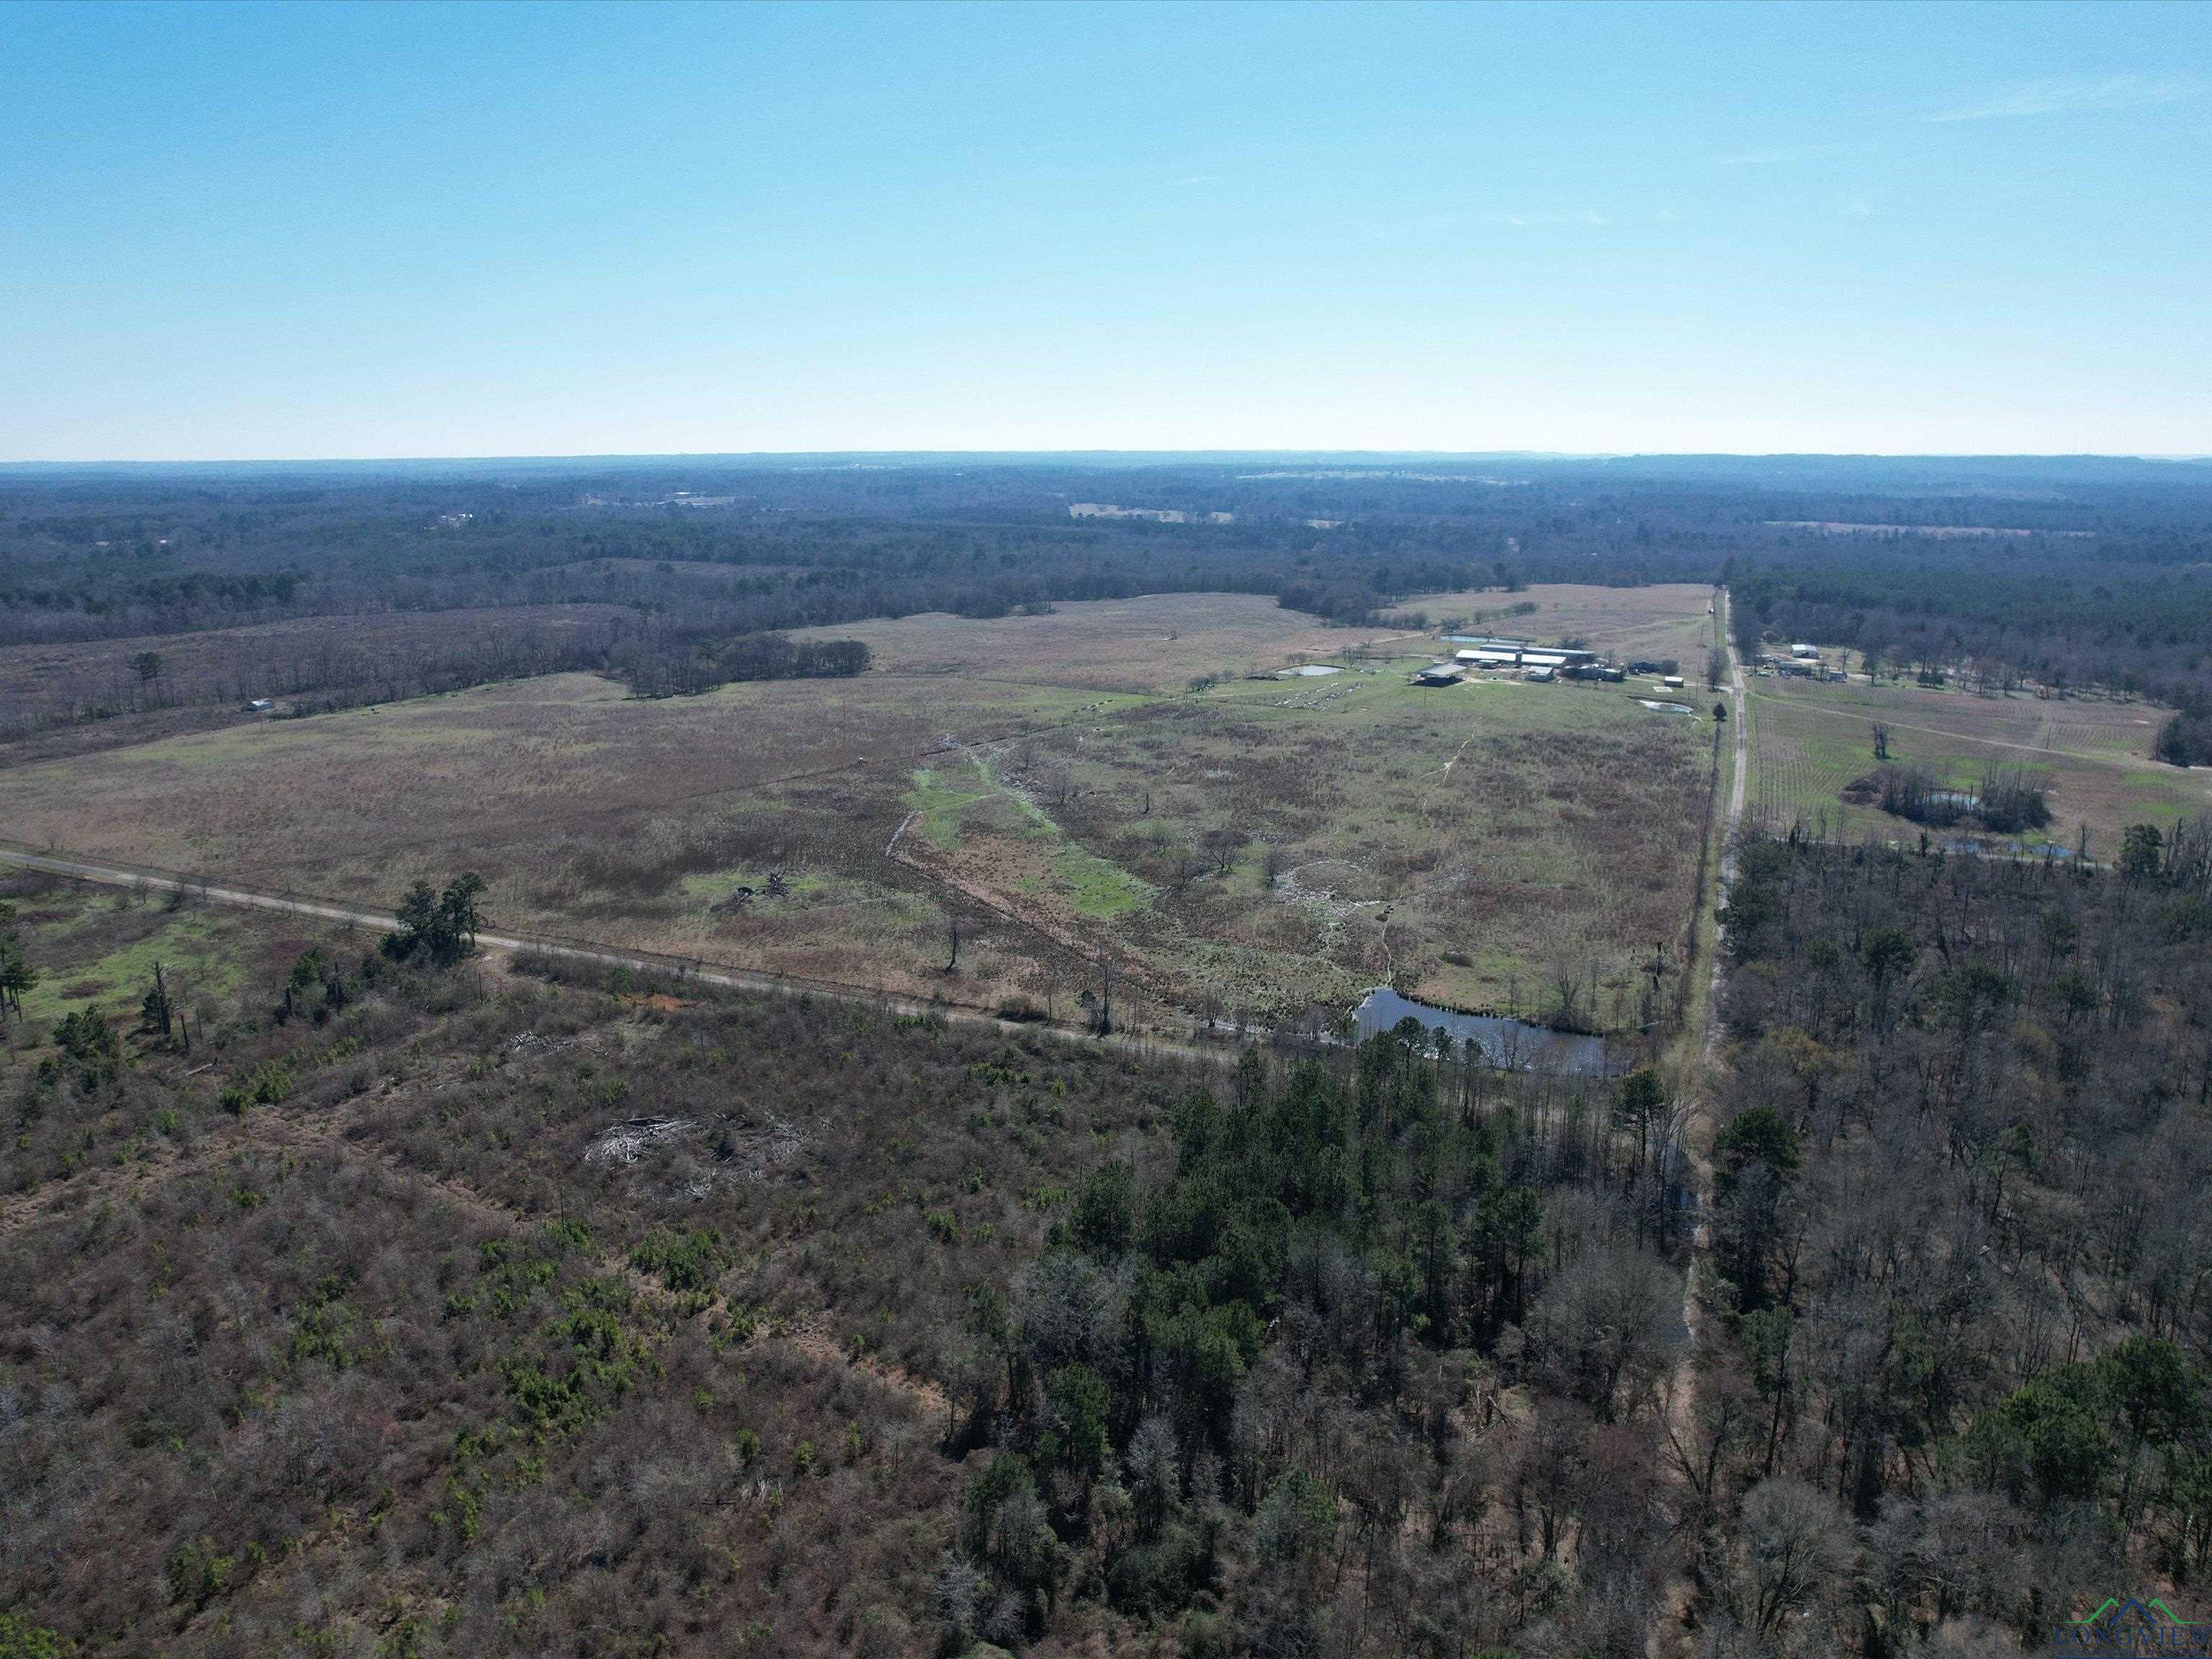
pixel 313 667
pixel 2104 577
pixel 679 662
pixel 2058 617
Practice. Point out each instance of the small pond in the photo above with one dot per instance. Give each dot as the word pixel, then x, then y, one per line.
pixel 2006 849
pixel 1666 707
pixel 1315 671
pixel 1506 1043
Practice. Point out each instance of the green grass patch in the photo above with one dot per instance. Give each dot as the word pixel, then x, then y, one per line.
pixel 940 800
pixel 1096 888
pixel 1093 887
pixel 194 948
pixel 711 886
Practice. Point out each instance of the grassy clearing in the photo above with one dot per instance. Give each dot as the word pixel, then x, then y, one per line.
pixel 948 809
pixel 1670 620
pixel 98 945
pixel 939 801
pixel 1812 741
pixel 1254 845
pixel 1406 828
pixel 1154 645
pixel 718 886
pixel 1097 889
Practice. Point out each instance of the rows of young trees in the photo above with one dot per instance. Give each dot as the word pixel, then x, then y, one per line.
pixel 310 669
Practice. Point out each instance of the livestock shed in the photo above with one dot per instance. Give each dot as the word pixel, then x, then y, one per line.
pixel 1491 642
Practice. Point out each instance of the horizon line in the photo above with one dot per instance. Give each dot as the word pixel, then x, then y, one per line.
pixel 584 458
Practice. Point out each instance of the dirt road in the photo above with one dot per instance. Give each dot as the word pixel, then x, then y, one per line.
pixel 1678 1602
pixel 735 979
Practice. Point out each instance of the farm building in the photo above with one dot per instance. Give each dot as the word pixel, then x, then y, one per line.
pixel 1515 654
pixel 1492 642
pixel 1438 674
pixel 1802 652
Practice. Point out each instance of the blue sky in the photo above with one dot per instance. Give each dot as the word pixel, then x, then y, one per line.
pixel 329 231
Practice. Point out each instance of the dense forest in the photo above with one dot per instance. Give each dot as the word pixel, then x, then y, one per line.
pixel 2063 573
pixel 1375 1364
pixel 1959 1240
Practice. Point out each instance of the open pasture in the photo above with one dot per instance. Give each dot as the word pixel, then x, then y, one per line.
pixel 1811 741
pixel 1304 839
pixel 1667 620
pixel 1049 789
pixel 589 812
pixel 1159 642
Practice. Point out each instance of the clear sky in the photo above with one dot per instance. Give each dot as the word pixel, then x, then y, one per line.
pixel 317 230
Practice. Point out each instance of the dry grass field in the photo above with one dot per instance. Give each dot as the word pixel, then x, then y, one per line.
pixel 1156 643
pixel 1051 783
pixel 1670 620
pixel 1811 741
